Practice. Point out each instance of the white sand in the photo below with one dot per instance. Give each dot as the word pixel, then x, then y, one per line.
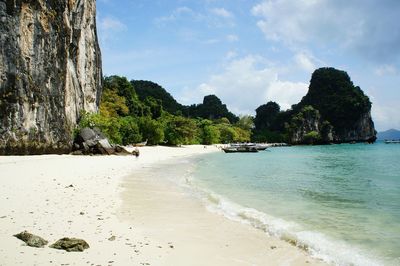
pixel 153 221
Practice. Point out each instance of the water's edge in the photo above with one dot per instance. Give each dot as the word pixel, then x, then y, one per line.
pixel 317 244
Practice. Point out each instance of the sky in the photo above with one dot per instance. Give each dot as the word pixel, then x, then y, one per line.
pixel 249 52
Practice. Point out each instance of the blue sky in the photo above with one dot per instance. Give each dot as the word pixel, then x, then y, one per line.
pixel 249 52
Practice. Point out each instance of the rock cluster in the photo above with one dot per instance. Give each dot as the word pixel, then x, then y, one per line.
pixel 31 239
pixel 68 244
pixel 71 244
pixel 50 71
pixel 93 141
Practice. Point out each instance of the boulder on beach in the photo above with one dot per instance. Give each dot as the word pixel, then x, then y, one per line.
pixel 93 141
pixel 71 244
pixel 31 239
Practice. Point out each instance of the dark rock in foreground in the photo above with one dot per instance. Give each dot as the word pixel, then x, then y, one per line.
pixel 93 141
pixel 71 244
pixel 31 239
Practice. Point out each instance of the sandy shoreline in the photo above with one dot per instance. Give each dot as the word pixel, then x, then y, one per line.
pixel 127 217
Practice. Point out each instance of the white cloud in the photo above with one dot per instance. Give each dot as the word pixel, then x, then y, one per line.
pixel 386 116
pixel 232 38
pixel 110 24
pixel 211 41
pixel 384 70
pixel 246 83
pixel 230 55
pixel 368 28
pixel 109 27
pixel 286 93
pixel 221 12
pixel 216 17
pixel 177 14
pixel 305 62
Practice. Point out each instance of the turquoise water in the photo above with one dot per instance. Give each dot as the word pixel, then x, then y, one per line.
pixel 339 202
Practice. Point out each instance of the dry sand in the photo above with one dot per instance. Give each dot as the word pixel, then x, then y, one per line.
pixel 126 216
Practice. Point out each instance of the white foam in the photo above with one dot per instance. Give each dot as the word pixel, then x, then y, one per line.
pixel 318 245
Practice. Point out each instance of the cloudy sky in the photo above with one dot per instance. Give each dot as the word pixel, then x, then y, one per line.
pixel 249 52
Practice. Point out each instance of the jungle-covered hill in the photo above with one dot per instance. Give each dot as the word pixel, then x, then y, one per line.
pixel 333 111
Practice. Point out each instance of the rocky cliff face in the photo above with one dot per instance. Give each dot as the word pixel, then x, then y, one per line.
pixel 313 130
pixel 50 70
pixel 306 127
pixel 363 130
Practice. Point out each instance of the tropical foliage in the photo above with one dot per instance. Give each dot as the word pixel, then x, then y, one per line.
pixel 153 115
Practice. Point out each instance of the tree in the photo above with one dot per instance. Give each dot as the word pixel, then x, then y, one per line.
pixel 125 89
pixel 180 130
pixel 146 89
pixel 246 122
pixel 151 130
pixel 242 135
pixel 266 115
pixel 129 130
pixel 312 137
pixel 113 105
pixel 211 108
pixel 227 134
pixel 211 135
pixel 155 107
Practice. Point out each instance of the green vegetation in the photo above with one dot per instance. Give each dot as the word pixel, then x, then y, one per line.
pixel 211 108
pixel 145 89
pixel 312 137
pixel 335 96
pixel 136 111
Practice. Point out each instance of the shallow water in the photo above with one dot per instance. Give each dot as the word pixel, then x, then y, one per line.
pixel 339 202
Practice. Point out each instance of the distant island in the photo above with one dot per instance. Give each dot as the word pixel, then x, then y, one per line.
pixel 389 134
pixel 333 111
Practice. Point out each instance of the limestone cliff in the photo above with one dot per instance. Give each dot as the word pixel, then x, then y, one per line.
pixel 307 127
pixel 50 70
pixel 344 111
pixel 332 111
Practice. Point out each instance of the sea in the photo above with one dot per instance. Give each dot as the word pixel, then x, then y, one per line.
pixel 340 203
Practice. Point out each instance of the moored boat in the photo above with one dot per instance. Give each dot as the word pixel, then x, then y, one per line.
pixel 233 149
pixel 392 141
pixel 243 147
pixel 261 147
pixel 140 144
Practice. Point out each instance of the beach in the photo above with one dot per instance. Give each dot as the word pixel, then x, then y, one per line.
pixel 126 218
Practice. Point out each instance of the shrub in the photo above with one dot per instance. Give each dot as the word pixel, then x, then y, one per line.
pixel 312 137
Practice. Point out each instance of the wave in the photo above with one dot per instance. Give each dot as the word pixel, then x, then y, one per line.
pixel 318 245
